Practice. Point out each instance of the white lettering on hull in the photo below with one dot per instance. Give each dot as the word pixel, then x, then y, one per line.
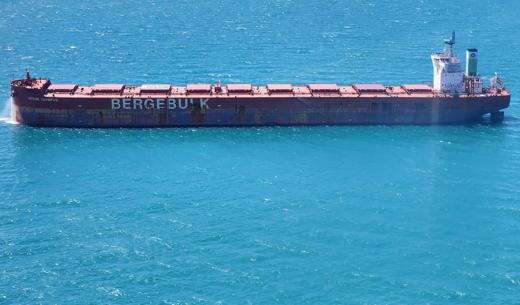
pixel 116 103
pixel 159 104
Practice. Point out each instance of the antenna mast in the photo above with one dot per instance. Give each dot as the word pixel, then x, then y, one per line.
pixel 448 44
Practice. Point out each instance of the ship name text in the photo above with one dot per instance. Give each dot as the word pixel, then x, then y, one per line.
pixel 159 103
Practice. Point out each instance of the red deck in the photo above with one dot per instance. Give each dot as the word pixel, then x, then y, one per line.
pixel 237 90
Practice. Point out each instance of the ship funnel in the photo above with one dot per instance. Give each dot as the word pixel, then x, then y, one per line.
pixel 471 62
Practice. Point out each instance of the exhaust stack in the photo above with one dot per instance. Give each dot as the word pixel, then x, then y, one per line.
pixel 471 62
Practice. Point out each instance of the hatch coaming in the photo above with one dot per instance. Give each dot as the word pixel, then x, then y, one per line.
pixel 247 91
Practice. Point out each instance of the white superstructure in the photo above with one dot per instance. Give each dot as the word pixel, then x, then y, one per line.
pixel 448 76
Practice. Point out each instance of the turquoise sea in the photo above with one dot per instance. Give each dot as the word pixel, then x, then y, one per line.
pixel 308 215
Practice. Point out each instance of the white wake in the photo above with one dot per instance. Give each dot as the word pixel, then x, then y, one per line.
pixel 6 115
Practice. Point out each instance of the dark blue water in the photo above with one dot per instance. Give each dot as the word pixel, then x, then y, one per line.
pixel 321 215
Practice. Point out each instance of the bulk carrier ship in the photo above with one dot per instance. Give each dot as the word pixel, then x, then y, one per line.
pixel 454 97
